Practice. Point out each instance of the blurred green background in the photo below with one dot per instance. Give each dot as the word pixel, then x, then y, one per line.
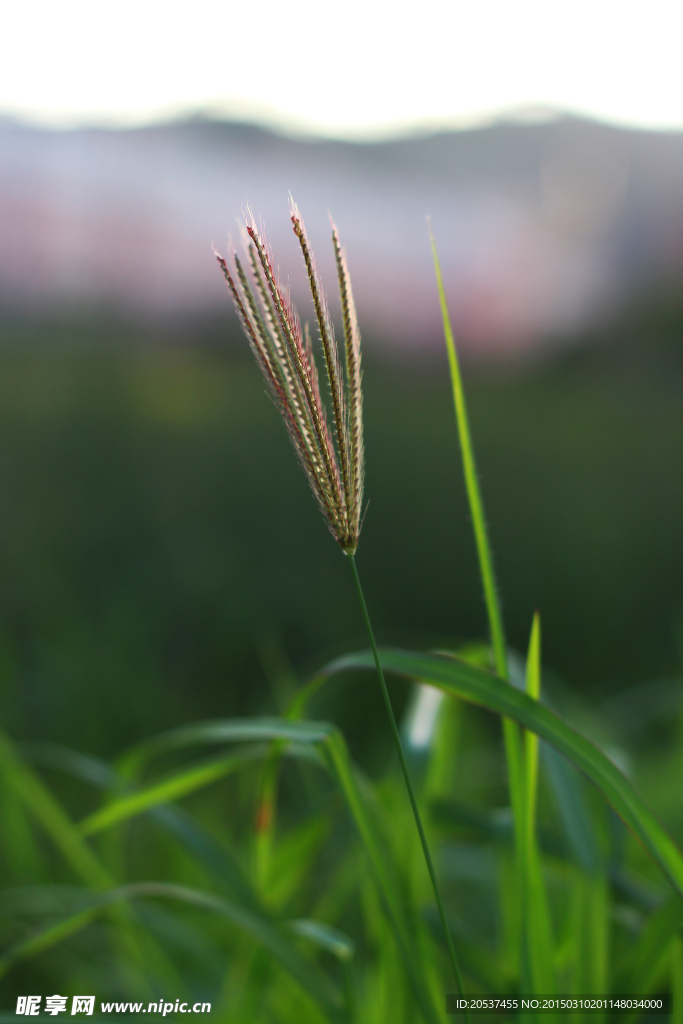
pixel 161 559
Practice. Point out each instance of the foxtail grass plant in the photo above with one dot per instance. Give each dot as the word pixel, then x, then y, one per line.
pixel 128 874
pixel 332 459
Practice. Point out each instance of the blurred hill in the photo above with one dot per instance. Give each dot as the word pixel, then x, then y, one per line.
pixel 545 230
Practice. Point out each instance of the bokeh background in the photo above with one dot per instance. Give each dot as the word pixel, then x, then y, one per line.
pixel 161 560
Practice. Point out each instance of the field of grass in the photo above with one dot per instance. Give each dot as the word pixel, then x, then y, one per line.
pixel 161 564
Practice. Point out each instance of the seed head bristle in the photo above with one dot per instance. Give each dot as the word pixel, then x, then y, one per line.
pixel 331 355
pixel 281 353
pixel 285 357
pixel 291 329
pixel 354 378
pixel 297 430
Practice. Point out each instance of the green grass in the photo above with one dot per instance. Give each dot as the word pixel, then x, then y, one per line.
pixel 267 865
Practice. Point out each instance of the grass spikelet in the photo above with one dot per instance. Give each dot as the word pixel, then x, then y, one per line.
pixel 331 459
pixel 330 352
pixel 353 376
pixel 271 371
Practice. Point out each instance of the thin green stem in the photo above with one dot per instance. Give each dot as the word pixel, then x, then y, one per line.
pixel 413 802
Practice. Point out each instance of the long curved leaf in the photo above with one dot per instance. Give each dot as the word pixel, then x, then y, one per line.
pixel 274 939
pixel 648 955
pixel 51 816
pixel 479 687
pixel 235 730
pixel 215 857
pixel 324 936
pixel 324 743
pixel 180 783
pixel 78 854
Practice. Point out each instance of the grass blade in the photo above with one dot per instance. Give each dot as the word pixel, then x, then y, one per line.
pixel 324 936
pixel 275 940
pixel 179 784
pixel 214 857
pixel 52 818
pixel 597 933
pixel 533 689
pixel 235 730
pixel 471 483
pixel 479 687
pixel 48 937
pixel 538 930
pixel 323 743
pixel 511 733
pixel 648 958
pixel 20 850
pixel 567 787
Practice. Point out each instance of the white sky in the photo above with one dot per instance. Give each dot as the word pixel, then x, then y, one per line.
pixel 346 67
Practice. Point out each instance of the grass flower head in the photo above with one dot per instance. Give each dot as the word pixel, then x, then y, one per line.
pixel 331 458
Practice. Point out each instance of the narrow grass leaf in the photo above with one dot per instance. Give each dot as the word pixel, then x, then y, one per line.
pixel 179 784
pixel 471 482
pixel 648 959
pixel 539 943
pixel 511 733
pixel 265 817
pixel 597 933
pixel 48 937
pixel 22 854
pixel 330 939
pixel 294 859
pixel 238 730
pixel 324 936
pixel 567 787
pixel 49 813
pixel 93 770
pixel 479 687
pixel 212 855
pixel 216 858
pixel 511 912
pixel 264 931
pixel 533 689
pixel 325 744
pixel 51 816
pixel 39 900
